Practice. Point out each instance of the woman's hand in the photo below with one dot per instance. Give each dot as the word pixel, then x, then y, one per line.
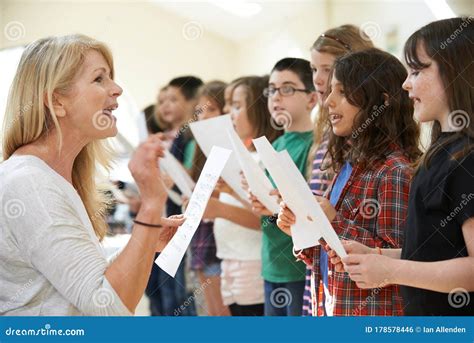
pixel 328 209
pixel 170 226
pixel 369 270
pixel 286 219
pixel 145 171
pixel 351 247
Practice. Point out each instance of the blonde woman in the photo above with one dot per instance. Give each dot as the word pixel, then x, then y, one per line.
pixel 58 113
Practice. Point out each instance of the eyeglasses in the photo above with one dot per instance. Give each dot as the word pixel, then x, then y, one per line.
pixel 283 90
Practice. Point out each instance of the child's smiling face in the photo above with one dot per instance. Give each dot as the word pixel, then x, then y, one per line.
pixel 427 91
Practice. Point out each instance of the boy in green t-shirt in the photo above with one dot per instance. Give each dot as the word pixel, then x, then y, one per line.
pixel 291 98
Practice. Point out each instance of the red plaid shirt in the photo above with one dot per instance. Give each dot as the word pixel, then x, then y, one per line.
pixel 372 210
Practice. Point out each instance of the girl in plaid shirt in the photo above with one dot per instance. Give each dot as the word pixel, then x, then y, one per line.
pixel 331 44
pixel 436 264
pixel 373 142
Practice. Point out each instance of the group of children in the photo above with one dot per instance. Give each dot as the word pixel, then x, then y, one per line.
pixel 405 216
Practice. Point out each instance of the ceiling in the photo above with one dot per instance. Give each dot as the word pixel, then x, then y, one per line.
pixel 212 17
pixel 209 15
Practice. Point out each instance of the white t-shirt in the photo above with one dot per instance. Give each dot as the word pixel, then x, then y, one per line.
pixel 51 261
pixel 234 241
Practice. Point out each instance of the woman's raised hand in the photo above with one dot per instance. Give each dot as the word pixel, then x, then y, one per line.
pixel 145 170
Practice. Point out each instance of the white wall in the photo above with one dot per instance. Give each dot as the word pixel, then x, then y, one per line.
pixel 291 38
pixel 380 18
pixel 148 44
pixel 388 22
pixel 150 48
pixel 1 23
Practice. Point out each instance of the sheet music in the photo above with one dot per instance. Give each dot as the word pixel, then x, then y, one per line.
pixel 211 132
pixel 258 182
pixel 173 253
pixel 311 221
pixel 175 170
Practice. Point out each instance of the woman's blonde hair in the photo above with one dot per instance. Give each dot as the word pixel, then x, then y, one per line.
pixel 49 66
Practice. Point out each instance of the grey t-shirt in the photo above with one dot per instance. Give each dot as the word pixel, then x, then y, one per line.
pixel 51 261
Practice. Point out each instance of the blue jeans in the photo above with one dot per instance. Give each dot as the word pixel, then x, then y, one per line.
pixel 284 298
pixel 166 294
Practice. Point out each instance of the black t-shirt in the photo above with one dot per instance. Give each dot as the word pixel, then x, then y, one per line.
pixel 441 200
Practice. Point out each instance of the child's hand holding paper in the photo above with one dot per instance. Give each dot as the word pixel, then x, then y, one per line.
pixel 257 207
pixel 286 218
pixel 351 247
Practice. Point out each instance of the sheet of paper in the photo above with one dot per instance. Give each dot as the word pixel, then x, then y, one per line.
pixel 211 132
pixel 305 233
pixel 174 197
pixel 316 213
pixel 258 182
pixel 311 222
pixel 173 253
pixel 175 170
